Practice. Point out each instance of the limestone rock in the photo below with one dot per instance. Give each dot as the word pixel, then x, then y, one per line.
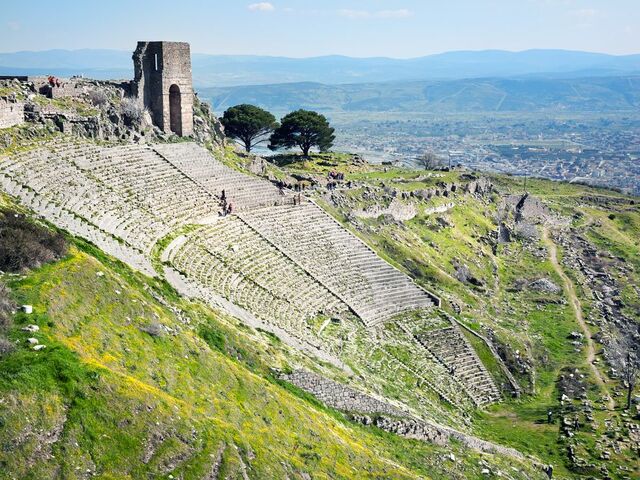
pixel 544 285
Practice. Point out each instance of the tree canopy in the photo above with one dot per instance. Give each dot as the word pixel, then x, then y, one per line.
pixel 304 129
pixel 429 160
pixel 248 124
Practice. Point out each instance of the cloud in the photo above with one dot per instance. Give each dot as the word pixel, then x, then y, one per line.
pixel 13 26
pixel 585 16
pixel 261 7
pixel 354 13
pixel 401 13
pixel 360 14
pixel 585 13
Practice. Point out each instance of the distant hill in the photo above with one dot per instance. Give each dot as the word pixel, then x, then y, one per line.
pixel 227 70
pixel 468 95
pixel 100 64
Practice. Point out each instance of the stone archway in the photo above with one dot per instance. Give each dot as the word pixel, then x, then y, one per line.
pixel 175 109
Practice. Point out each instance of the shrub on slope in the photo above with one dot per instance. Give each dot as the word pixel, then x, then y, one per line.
pixel 25 244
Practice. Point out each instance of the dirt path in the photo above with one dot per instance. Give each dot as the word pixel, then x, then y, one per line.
pixel 570 291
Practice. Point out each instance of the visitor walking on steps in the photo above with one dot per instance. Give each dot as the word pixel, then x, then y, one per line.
pixel 229 209
pixel 549 471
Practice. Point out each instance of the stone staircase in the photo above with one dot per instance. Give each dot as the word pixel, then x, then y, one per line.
pixel 144 177
pixel 339 260
pixel 55 187
pixel 232 260
pixel 244 192
pixel 451 347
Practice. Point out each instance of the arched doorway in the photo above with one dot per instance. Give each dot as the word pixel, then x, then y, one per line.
pixel 175 110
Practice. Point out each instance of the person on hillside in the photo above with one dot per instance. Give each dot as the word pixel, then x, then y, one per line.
pixel 549 471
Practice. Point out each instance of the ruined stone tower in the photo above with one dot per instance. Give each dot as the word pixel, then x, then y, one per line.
pixel 163 84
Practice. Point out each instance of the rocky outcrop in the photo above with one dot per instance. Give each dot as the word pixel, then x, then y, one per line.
pixel 102 110
pixel 526 208
pixel 398 210
pixel 599 274
pixel 544 285
pixel 11 111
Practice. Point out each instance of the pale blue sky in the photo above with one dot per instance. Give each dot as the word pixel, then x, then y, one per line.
pixel 395 28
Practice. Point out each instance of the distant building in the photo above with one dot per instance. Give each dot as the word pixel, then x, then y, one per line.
pixel 163 83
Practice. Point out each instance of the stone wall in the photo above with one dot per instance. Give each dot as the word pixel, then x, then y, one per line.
pixel 368 410
pixel 11 113
pixel 339 396
pixel 400 211
pixel 66 89
pixel 163 83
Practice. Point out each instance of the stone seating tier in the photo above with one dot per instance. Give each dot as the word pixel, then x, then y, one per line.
pixel 235 262
pixel 286 264
pixel 449 345
pixel 339 260
pixel 243 191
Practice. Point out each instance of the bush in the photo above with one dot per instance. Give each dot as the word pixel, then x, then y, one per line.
pixel 6 307
pixel 98 97
pixel 132 111
pixel 214 338
pixel 24 244
pixel 6 347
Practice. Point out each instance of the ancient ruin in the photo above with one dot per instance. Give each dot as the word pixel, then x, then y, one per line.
pixel 289 265
pixel 11 112
pixel 267 255
pixel 162 82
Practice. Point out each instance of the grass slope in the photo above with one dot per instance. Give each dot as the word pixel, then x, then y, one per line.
pixel 533 327
pixel 106 399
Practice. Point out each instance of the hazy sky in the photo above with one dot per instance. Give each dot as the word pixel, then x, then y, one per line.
pixel 396 28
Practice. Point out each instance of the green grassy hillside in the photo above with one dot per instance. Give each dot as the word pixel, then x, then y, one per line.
pixel 531 329
pixel 136 382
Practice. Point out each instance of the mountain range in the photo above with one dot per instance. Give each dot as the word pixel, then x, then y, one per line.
pixel 232 70
pixel 524 94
